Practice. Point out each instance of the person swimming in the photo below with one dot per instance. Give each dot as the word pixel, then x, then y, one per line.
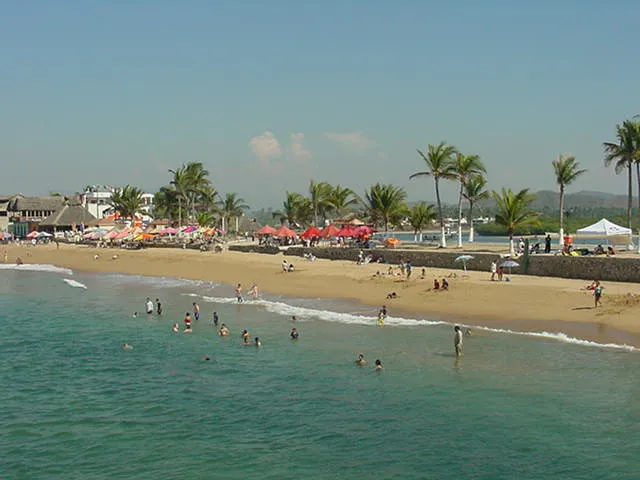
pixel 379 365
pixel 294 318
pixel 187 323
pixel 294 334
pixel 245 337
pixel 175 328
pixel 126 346
pixel 257 342
pixel 135 314
pixel 224 331
pixel 360 360
pixel 206 358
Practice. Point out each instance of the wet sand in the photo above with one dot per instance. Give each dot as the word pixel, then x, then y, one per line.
pixel 524 303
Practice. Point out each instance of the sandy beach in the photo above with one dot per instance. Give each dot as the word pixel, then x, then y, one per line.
pixel 524 303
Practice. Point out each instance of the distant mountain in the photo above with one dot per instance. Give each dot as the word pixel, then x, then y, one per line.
pixel 548 200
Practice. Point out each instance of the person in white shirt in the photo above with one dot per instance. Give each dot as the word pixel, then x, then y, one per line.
pixel 149 306
pixel 494 270
pixel 457 340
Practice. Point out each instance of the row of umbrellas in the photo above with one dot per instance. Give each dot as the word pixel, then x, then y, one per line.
pixel 311 232
pixel 137 234
pixel 465 258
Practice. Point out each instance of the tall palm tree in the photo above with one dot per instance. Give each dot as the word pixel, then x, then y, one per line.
pixel 420 215
pixel 439 162
pixel 165 203
pixel 232 206
pixel 127 201
pixel 474 191
pixel 623 154
pixel 514 211
pixel 319 193
pixel 189 181
pixel 205 219
pixel 464 167
pixel 341 200
pixel 386 203
pixel 566 170
pixel 292 207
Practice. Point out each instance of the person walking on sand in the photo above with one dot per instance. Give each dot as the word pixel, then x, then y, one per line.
pixel 196 311
pixel 494 270
pixel 597 295
pixel 500 272
pixel 547 244
pixel 457 340
pixel 239 293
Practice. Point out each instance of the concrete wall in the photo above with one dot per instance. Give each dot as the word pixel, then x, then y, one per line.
pixel 255 249
pixel 587 267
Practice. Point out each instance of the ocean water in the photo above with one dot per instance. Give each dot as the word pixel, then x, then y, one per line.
pixel 76 405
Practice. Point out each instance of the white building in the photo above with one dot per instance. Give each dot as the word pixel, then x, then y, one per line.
pixel 96 199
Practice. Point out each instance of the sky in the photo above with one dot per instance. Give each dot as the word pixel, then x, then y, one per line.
pixel 269 95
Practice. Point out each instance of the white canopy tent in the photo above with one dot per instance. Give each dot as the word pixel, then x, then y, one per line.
pixel 604 228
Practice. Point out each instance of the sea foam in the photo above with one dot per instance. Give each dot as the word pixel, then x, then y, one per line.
pixel 305 313
pixel 35 267
pixel 73 283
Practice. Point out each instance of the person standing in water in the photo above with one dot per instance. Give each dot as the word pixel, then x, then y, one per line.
pixel 457 340
pixel 149 306
pixel 379 365
pixel 239 293
pixel 254 291
pixel 158 307
pixel 224 331
pixel 294 334
pixel 245 337
pixel 196 311
pixel 215 318
pixel 382 314
pixel 187 322
pixel 360 360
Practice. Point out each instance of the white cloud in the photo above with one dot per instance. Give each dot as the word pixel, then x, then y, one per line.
pixel 354 140
pixel 297 148
pixel 266 147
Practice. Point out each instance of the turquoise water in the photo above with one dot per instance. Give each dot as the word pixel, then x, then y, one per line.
pixel 77 406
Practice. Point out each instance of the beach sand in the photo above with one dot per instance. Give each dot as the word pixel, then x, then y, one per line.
pixel 525 303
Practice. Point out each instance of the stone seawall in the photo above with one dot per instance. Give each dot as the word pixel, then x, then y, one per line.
pixel 255 249
pixel 587 268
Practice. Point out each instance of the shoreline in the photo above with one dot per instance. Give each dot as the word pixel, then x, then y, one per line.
pixel 526 304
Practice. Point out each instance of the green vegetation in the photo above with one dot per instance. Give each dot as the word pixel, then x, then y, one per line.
pixel 514 211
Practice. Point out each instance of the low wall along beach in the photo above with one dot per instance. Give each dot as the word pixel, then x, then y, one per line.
pixel 582 267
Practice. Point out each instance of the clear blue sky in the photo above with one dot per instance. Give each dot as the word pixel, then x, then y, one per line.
pixel 271 94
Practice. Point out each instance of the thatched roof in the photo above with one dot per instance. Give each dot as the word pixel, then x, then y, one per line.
pixel 20 203
pixel 68 216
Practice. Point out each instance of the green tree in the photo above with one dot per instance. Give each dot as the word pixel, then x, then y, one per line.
pixel 319 193
pixel 623 155
pixel 341 200
pixel 232 206
pixel 514 211
pixel 205 219
pixel 420 215
pixel 386 204
pixel 566 170
pixel 293 208
pixel 474 191
pixel 165 203
pixel 189 181
pixel 127 201
pixel 439 163
pixel 464 167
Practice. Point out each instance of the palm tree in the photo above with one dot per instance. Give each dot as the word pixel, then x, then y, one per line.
pixel 465 166
pixel 474 191
pixel 514 211
pixel 204 219
pixel 566 170
pixel 420 215
pixel 291 209
pixel 127 201
pixel 623 154
pixel 319 196
pixel 341 200
pixel 189 181
pixel 386 203
pixel 232 206
pixel 165 203
pixel 438 159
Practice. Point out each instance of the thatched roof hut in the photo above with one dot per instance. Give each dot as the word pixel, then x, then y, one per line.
pixel 70 216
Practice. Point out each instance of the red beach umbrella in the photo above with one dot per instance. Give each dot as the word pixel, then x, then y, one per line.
pixel 311 232
pixel 347 231
pixel 329 231
pixel 284 232
pixel 266 230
